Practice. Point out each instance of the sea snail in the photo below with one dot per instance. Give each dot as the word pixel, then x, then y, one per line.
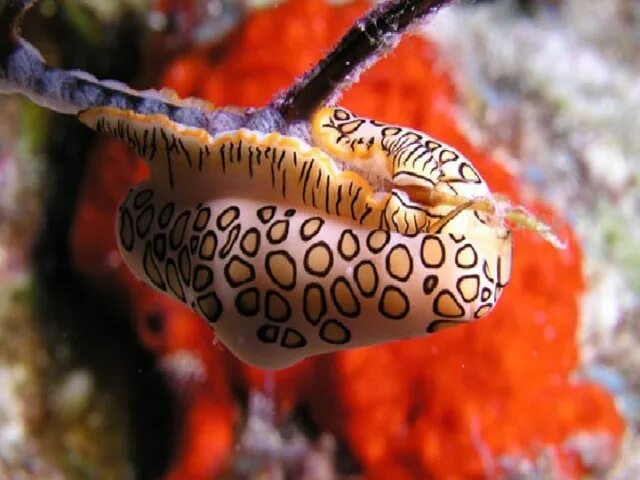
pixel 287 253
pixel 300 229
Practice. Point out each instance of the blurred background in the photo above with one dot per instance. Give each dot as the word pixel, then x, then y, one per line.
pixel 101 378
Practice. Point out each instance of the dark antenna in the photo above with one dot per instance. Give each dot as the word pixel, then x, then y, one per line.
pixel 366 41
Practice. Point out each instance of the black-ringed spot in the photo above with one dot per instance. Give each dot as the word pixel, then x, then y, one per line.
pixel 485 295
pixel 230 242
pixel 431 145
pixel 390 131
pixel 143 223
pixel 179 227
pixel 166 214
pixel 202 219
pixel 430 283
pixel 314 303
pixel 318 259
pixel 277 308
pixel 208 245
pixel 248 302
pixel 268 333
pixel 377 240
pixel 210 306
pixel 266 214
pixel 227 217
pixel 351 126
pixel 281 268
pixel 446 305
pixel 483 310
pixel 160 246
pixel 366 277
pixel 399 262
pixel 468 287
pixel 348 245
pixel 334 332
pixel 151 270
pixel 250 243
pixel 448 156
pixel 466 257
pixel 127 236
pixel 184 265
pixel 310 228
pixel 173 280
pixel 238 272
pixel 292 339
pixel 410 136
pixel 142 198
pixel 278 231
pixel 393 304
pixel 432 252
pixel 343 298
pixel 202 277
pixel 467 172
pixel 341 115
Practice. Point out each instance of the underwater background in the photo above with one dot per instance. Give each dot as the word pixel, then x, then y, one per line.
pixel 101 377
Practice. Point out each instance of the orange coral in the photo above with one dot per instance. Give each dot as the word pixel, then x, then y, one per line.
pixel 447 406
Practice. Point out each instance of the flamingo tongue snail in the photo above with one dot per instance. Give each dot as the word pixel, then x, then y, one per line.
pixel 299 228
pixel 315 259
